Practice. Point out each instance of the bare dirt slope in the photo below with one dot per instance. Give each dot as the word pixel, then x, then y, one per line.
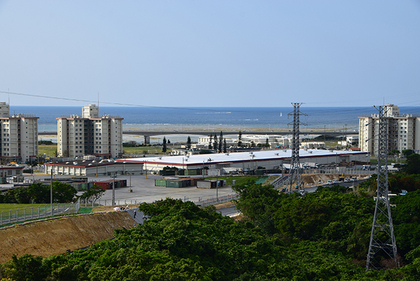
pixel 316 179
pixel 56 236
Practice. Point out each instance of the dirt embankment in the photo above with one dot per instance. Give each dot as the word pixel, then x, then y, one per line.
pixel 56 236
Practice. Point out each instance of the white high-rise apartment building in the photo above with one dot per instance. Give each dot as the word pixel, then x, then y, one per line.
pixel 19 136
pixel 403 131
pixel 90 134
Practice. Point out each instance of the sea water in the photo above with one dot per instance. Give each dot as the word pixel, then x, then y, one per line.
pixel 212 118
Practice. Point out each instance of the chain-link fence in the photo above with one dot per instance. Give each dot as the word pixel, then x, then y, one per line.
pixel 37 212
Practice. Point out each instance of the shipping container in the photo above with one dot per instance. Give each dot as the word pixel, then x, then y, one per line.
pixel 206 184
pixel 84 186
pixel 174 183
pixel 193 182
pixel 160 182
pixel 186 182
pixel 103 184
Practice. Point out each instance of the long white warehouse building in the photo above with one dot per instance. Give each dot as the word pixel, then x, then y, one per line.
pixel 269 159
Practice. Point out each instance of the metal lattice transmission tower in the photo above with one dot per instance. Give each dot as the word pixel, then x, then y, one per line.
pixel 382 239
pixel 295 176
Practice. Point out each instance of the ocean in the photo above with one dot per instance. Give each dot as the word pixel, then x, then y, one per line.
pixel 212 118
pixel 231 117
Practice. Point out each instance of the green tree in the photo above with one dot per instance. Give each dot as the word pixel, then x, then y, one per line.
pixel 27 267
pixel 224 146
pixel 408 152
pixel 259 203
pixel 220 142
pixel 21 195
pixel 188 142
pixel 406 218
pixel 62 192
pixel 93 194
pixel 215 143
pixel 164 145
pixel 413 164
pixel 240 139
pixel 39 193
pixel 210 142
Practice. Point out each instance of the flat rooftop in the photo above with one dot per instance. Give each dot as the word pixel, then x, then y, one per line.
pixel 263 155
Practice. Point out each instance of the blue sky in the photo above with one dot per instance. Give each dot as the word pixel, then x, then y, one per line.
pixel 210 53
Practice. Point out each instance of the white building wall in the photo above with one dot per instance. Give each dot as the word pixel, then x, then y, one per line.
pixel 106 137
pixel 61 136
pixel 29 138
pixel 391 110
pixel 366 134
pixel 90 111
pixel 103 137
pixel 4 109
pixel 116 138
pixel 403 131
pixel 19 137
pixel 417 135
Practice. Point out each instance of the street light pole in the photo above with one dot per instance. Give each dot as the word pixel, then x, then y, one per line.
pixel 145 169
pixel 113 191
pixel 217 187
pixel 130 183
pixel 51 193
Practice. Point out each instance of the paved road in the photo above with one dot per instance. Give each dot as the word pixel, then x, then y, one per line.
pixel 229 211
pixel 137 216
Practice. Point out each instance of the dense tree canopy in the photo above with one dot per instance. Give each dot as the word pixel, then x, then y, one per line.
pixel 319 236
pixel 39 193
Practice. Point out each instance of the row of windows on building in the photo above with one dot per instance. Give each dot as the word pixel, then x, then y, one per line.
pixel 81 151
pixel 82 146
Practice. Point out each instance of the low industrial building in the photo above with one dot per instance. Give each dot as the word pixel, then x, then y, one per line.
pixel 246 161
pixel 11 171
pixel 227 162
pixel 93 168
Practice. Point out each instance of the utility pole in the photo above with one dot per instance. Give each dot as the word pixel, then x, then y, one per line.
pixel 51 192
pixel 113 190
pixel 130 182
pixel 382 238
pixel 295 176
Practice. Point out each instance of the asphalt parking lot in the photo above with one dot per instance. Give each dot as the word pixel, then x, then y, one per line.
pixel 144 190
